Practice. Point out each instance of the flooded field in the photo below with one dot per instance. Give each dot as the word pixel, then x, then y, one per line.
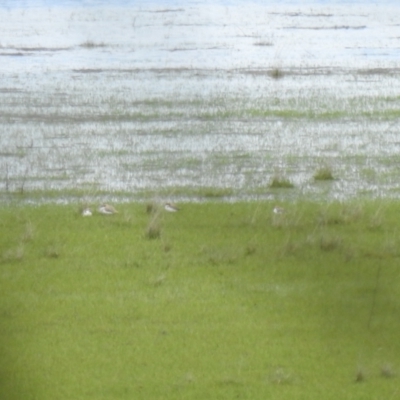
pixel 192 100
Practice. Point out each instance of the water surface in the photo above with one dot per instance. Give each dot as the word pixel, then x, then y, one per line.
pixel 169 98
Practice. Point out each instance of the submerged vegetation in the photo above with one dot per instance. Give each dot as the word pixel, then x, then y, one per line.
pixel 225 300
pixel 223 145
pixel 91 45
pixel 276 73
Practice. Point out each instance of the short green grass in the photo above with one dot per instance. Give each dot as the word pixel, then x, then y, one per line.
pixel 226 301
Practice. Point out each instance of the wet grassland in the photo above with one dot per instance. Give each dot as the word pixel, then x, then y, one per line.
pixel 217 300
pixel 228 134
pixel 230 112
pixel 224 298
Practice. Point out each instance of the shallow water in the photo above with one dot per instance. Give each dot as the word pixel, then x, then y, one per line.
pixel 167 98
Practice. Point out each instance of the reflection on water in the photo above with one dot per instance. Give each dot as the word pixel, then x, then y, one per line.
pixel 168 96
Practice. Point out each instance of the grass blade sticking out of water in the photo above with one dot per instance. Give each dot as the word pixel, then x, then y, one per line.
pixel 324 174
pixel 280 182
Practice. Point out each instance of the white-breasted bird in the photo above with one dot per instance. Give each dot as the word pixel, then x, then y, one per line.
pixel 86 212
pixel 279 210
pixel 171 207
pixel 107 209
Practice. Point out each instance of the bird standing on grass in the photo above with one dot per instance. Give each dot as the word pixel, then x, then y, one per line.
pixel 107 209
pixel 171 207
pixel 86 212
pixel 279 210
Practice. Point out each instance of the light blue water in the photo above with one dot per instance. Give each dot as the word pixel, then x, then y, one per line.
pixel 41 35
pixel 130 96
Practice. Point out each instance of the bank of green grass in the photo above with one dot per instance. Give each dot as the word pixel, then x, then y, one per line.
pixel 230 301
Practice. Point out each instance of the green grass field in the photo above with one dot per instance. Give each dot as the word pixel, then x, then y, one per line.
pixel 227 301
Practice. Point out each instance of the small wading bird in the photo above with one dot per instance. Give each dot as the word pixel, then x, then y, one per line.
pixel 279 210
pixel 86 212
pixel 106 209
pixel 171 207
